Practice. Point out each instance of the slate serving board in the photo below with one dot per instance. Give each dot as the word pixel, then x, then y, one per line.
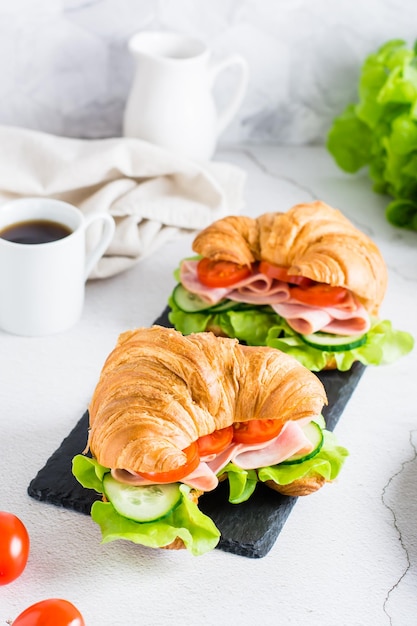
pixel 249 529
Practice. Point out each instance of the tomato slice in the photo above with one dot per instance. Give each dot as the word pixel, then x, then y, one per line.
pixel 281 273
pixel 215 442
pixel 256 431
pixel 320 295
pixel 221 273
pixel 173 476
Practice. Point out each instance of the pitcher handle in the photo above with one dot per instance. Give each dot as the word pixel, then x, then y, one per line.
pixel 225 116
pixel 106 236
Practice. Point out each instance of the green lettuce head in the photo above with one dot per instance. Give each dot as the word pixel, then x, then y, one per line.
pixel 379 131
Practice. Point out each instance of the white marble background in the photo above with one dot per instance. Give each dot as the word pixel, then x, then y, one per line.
pixel 65 68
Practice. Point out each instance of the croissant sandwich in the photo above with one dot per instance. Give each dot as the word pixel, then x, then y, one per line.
pixel 172 415
pixel 306 281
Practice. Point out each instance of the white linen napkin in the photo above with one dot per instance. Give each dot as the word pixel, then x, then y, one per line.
pixel 154 195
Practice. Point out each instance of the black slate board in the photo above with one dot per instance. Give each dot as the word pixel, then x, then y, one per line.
pixel 249 529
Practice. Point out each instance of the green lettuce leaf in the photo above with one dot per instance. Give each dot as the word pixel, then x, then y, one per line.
pixel 384 345
pixel 186 521
pixel 379 131
pixel 89 472
pixel 263 327
pixel 342 141
pixel 242 483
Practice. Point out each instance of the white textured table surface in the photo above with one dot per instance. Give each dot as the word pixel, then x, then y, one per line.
pixel 347 554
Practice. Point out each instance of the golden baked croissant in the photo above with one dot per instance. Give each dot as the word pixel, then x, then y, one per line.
pixel 312 240
pixel 159 391
pixel 172 415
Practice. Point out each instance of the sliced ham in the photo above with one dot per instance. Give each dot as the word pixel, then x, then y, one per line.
pixel 278 292
pixel 302 318
pixel 289 441
pixel 348 318
pixel 256 288
pixel 201 478
pixel 306 319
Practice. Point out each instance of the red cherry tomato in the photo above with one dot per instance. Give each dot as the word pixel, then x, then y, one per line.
pixel 281 273
pixel 256 431
pixel 320 295
pixel 215 442
pixel 221 273
pixel 175 475
pixel 14 547
pixel 52 612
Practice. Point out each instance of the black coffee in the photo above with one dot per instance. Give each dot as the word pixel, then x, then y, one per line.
pixel 35 231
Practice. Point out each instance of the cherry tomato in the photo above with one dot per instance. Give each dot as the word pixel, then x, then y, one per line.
pixel 215 442
pixel 256 431
pixel 320 295
pixel 281 273
pixel 14 547
pixel 221 273
pixel 175 475
pixel 52 612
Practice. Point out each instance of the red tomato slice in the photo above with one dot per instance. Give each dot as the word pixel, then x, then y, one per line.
pixel 14 547
pixel 320 295
pixel 256 431
pixel 173 476
pixel 215 442
pixel 221 273
pixel 52 612
pixel 281 273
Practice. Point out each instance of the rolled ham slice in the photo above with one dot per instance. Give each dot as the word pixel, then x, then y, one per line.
pixel 201 478
pixel 289 441
pixel 306 319
pixel 278 292
pixel 348 318
pixel 256 288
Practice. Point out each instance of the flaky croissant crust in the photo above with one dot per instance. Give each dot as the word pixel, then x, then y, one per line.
pixel 159 391
pixel 312 240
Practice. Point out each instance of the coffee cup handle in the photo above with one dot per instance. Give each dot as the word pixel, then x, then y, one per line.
pixel 106 236
pixel 226 115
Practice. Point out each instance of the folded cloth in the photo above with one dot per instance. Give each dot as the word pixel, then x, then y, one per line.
pixel 154 195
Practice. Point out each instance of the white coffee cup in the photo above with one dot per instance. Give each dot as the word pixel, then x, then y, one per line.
pixel 42 285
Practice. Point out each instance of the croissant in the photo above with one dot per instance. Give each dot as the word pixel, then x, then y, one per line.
pixel 161 403
pixel 312 240
pixel 159 391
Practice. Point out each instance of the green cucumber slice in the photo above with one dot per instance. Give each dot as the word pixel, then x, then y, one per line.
pixel 192 303
pixel 187 301
pixel 223 305
pixel 141 504
pixel 334 343
pixel 313 432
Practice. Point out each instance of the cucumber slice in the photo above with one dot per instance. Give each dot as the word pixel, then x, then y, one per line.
pixel 141 504
pixel 313 432
pixel 334 343
pixel 192 303
pixel 223 305
pixel 187 301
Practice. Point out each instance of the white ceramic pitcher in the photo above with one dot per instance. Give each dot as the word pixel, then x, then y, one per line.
pixel 171 102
